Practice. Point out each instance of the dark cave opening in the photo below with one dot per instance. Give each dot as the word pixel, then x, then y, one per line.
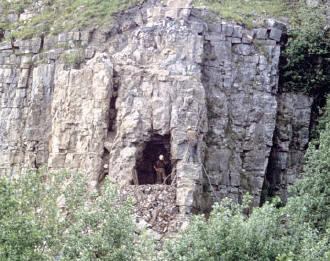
pixel 158 145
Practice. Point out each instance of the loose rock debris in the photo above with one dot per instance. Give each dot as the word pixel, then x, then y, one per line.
pixel 154 208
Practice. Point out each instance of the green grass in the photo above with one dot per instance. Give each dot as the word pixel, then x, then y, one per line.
pixel 74 59
pixel 64 15
pixel 251 12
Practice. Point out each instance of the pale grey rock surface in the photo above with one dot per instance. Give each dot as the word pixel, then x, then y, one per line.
pixel 80 116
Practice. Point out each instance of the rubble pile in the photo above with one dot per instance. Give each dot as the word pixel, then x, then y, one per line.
pixel 154 208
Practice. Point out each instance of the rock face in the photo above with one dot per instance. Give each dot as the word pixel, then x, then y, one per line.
pixel 290 142
pixel 109 102
pixel 80 116
pixel 240 77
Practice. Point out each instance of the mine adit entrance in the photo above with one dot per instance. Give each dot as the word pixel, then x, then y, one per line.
pixel 158 145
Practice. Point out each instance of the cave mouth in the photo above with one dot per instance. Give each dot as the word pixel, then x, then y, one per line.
pixel 158 145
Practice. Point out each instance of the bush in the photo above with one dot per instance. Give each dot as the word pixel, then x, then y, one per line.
pixel 310 200
pixel 74 59
pixel 305 61
pixel 55 215
pixel 268 234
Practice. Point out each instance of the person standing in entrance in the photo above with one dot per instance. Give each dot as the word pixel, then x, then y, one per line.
pixel 160 169
pixel 192 138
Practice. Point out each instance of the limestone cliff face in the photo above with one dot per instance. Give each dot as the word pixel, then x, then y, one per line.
pixel 157 70
pixel 291 138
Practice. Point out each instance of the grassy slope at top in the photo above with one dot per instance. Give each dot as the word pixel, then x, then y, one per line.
pixel 250 12
pixel 62 15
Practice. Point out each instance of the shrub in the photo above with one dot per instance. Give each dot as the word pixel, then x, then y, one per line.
pixel 55 215
pixel 268 234
pixel 305 61
pixel 73 59
pixel 310 201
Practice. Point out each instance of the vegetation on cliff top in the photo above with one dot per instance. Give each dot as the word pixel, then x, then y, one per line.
pixel 57 16
pixel 249 12
pixel 305 59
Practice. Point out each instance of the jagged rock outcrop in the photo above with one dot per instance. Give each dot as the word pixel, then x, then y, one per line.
pixel 155 71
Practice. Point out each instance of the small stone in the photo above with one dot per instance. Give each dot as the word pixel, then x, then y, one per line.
pixel 243 49
pixel 261 33
pixel 275 34
pixel 238 31
pixel 236 40
pixel 227 29
pixel 63 37
pixel 214 27
pixel 12 18
pixel 89 53
pixel 216 37
pixel 272 23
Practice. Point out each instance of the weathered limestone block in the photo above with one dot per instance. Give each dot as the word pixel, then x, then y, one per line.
pixel 160 93
pixel 275 34
pixel 28 46
pixel 25 118
pixel 5 46
pixel 80 111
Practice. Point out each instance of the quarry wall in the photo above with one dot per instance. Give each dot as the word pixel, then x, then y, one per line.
pixel 93 100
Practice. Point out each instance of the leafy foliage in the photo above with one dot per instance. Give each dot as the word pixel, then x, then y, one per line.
pixel 268 234
pixel 311 194
pixel 45 216
pixel 305 61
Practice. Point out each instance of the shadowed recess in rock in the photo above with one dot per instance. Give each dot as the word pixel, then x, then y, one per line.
pixel 158 145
